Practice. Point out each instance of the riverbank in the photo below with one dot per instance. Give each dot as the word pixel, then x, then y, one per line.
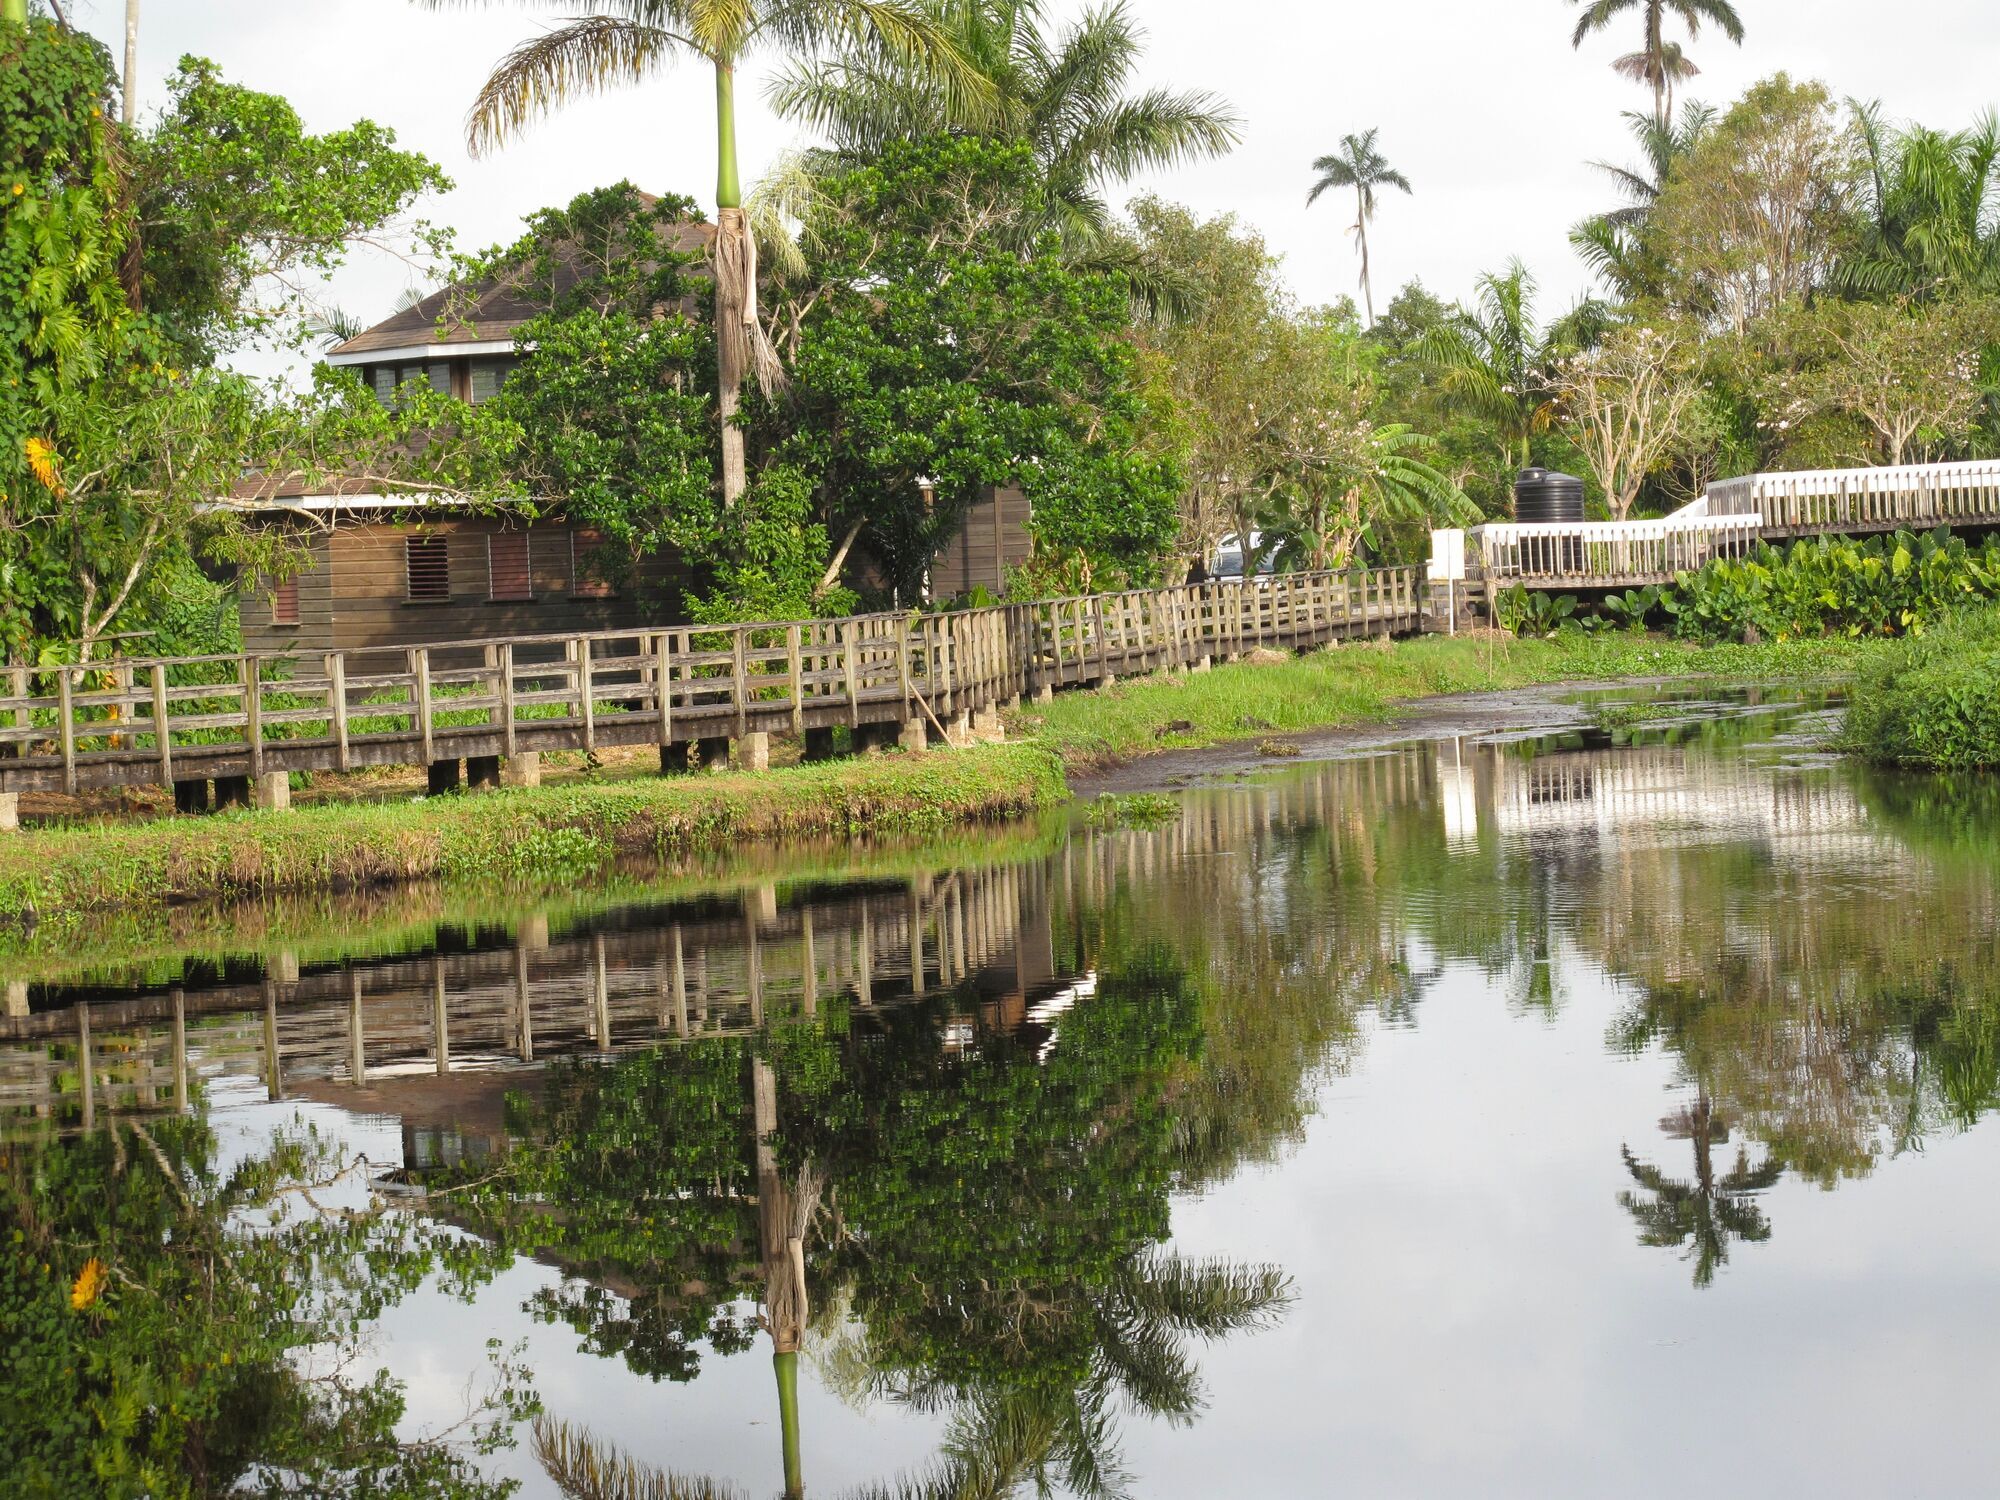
pixel 576 831
pixel 539 835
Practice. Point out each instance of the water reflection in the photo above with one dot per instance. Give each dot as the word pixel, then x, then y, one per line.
pixel 924 1138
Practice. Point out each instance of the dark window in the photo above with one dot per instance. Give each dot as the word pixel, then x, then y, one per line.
pixel 384 379
pixel 285 602
pixel 588 579
pixel 508 567
pixel 428 561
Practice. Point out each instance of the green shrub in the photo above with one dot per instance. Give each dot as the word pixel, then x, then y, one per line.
pixel 1537 614
pixel 1888 585
pixel 1934 700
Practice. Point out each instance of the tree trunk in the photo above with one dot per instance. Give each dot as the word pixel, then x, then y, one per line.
pixel 130 103
pixel 735 286
pixel 1361 235
pixel 15 11
pixel 784 1270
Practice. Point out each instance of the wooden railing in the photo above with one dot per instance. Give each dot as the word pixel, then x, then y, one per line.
pixel 188 719
pixel 1916 496
pixel 1608 554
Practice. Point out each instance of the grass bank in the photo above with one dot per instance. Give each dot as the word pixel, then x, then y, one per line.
pixel 1932 701
pixel 543 835
pixel 1367 683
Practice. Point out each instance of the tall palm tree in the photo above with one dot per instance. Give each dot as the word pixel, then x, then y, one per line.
pixel 630 41
pixel 1357 164
pixel 1658 63
pixel 1065 93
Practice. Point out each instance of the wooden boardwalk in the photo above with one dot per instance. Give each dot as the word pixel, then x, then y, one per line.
pixel 188 721
pixel 1730 520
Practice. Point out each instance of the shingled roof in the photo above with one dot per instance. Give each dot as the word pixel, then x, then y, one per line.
pixel 487 313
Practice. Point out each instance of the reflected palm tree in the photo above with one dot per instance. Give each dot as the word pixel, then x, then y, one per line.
pixel 1709 1212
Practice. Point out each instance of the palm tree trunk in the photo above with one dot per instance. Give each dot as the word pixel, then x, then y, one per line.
pixel 784 1271
pixel 1361 235
pixel 735 271
pixel 130 106
pixel 1656 55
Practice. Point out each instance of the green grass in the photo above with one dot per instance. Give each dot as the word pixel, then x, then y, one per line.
pixel 539 836
pixel 1932 701
pixel 1360 684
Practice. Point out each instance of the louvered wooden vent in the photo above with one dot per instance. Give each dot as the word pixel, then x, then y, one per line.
pixel 507 563
pixel 285 602
pixel 429 563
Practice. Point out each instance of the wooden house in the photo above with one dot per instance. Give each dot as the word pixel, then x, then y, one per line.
pixel 391 570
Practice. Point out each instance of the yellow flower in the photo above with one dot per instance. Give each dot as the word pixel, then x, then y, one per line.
pixel 42 460
pixel 89 1282
pixel 19 189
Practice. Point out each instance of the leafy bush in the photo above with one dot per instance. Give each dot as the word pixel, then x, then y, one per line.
pixel 1889 585
pixel 1934 700
pixel 1535 614
pixel 1634 607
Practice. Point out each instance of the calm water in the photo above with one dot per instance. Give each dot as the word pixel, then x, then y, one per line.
pixel 1579 1115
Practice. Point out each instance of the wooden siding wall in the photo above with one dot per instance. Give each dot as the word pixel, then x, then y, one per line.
pixel 992 538
pixel 356 596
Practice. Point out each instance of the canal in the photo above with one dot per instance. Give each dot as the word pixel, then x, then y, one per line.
pixel 1572 1111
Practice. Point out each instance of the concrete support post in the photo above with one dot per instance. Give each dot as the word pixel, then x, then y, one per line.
pixel 958 731
pixel 1046 693
pixel 482 770
pixel 522 768
pixel 819 744
pixel 986 726
pixel 274 791
pixel 1201 664
pixel 914 736
pixel 752 751
pixel 1109 679
pixel 10 812
pixel 443 777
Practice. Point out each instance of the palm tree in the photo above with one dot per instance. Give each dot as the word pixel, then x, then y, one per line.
pixel 1612 243
pixel 1360 166
pixel 1928 209
pixel 1494 364
pixel 1066 94
pixel 629 41
pixel 1659 63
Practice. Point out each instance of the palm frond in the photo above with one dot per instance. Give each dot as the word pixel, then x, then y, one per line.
pixel 586 56
pixel 584 1467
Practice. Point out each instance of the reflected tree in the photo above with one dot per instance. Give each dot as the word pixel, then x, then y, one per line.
pixel 1709 1212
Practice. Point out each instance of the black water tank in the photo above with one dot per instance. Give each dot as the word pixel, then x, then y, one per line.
pixel 1546 495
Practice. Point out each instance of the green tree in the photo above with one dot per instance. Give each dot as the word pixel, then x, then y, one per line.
pixel 629 41
pixel 1659 63
pixel 929 345
pixel 1066 93
pixel 1707 1212
pixel 1762 209
pixel 1614 244
pixel 1358 165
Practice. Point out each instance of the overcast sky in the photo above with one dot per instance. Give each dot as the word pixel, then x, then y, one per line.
pixel 1481 103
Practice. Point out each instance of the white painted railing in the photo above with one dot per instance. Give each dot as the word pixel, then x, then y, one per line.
pixel 1609 554
pixel 1917 496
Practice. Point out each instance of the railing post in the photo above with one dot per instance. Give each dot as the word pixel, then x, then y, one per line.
pixel 66 711
pixel 507 730
pixel 798 683
pixel 739 671
pixel 163 734
pixel 253 712
pixel 586 693
pixel 851 672
pixel 420 688
pixel 336 692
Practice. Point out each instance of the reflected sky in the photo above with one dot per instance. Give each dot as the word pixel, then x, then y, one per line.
pixel 1581 1101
